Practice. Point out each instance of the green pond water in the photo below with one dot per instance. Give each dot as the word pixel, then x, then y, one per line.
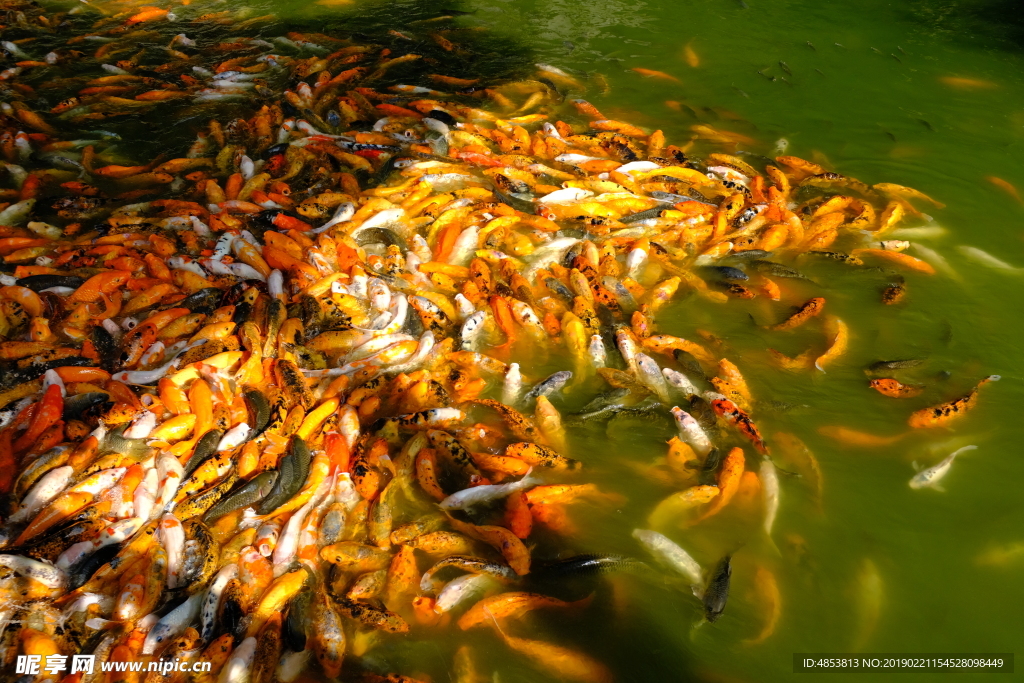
pixel 867 100
pixel 872 107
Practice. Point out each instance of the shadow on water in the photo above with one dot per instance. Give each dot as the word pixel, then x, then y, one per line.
pixel 436 35
pixel 988 23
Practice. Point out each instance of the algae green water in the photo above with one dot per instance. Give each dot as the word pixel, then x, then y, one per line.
pixel 868 100
pixel 862 91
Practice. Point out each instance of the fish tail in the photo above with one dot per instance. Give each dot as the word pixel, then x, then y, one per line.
pixel 958 451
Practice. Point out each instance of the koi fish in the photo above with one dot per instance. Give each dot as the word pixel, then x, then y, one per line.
pixel 736 417
pixel 967 83
pixel 767 590
pixel 677 505
pixel 728 483
pixel 670 554
pixel 869 593
pixel 209 394
pixel 716 594
pixel 511 605
pixel 1006 187
pixel 934 474
pixel 852 437
pixel 690 55
pixel 807 311
pixel 563 662
pixel 840 334
pixel 480 495
pixel 987 259
pixel 894 388
pixel 651 73
pixel 943 413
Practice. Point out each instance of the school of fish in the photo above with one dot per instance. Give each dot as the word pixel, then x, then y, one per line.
pixel 269 402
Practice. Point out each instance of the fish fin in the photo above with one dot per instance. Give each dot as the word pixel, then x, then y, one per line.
pixel 939 487
pixel 496 624
pixel 963 449
pixel 916 466
pixel 771 542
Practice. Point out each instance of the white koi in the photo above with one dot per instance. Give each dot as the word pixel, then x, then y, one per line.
pixel 669 553
pixel 934 474
pixel 479 495
pixel 691 432
pixel 987 259
pixel 680 382
pixel 650 375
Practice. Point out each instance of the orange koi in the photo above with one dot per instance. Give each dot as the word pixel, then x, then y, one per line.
pixel 510 605
pixel 618 127
pixel 902 192
pixel 537 455
pixel 767 590
pixel 895 389
pixel 852 437
pixel 796 452
pixel 840 334
pixel 561 661
pixel 894 293
pixel 665 343
pixel 98 285
pixel 735 416
pixel 587 109
pixel 810 309
pixel 942 414
pixel 518 517
pixel 147 14
pixel 1005 186
pixel 451 80
pixel 651 73
pixel 715 135
pixel 690 55
pixel 728 483
pixel 678 503
pixel 898 258
pixel 48 412
pixel 728 370
pixel 501 539
pixel 503 316
pixel 800 362
pixel 967 83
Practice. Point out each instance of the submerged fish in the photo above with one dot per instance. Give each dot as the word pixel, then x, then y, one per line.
pixel 987 259
pixel 550 385
pixel 716 593
pixel 868 591
pixel 669 553
pixel 248 381
pixel 883 365
pixel 933 475
pixel 943 413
